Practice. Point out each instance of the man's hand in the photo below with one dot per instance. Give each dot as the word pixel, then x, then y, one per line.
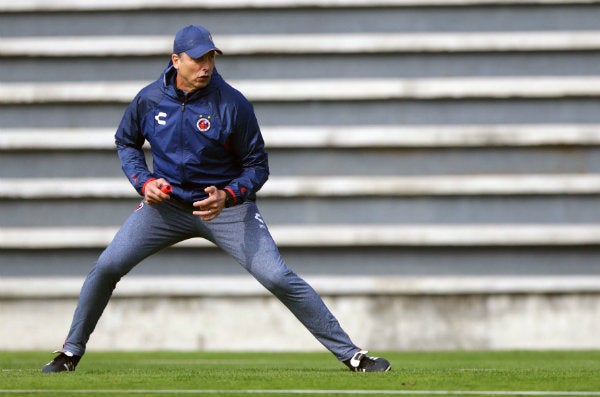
pixel 210 207
pixel 153 193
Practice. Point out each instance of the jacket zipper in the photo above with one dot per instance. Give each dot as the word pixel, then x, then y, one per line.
pixel 181 146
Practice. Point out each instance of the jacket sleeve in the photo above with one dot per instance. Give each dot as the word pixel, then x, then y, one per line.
pixel 129 141
pixel 249 147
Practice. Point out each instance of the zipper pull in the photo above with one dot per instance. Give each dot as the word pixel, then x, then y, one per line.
pixel 185 98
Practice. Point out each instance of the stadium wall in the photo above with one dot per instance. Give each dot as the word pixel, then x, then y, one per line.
pixel 474 136
pixel 380 313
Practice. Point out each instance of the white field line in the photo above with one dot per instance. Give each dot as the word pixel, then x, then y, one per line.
pixel 307 392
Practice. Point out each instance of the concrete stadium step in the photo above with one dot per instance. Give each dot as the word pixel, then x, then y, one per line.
pixel 285 56
pixel 336 137
pixel 404 210
pixel 137 17
pixel 357 261
pixel 350 235
pixel 83 5
pixel 334 150
pixel 310 90
pixel 492 100
pixel 336 186
pixel 328 199
pixel 307 44
pixel 501 199
pixel 245 286
pixel 334 162
pixel 556 110
pixel 260 67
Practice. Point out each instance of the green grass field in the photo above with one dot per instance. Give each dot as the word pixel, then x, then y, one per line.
pixel 519 373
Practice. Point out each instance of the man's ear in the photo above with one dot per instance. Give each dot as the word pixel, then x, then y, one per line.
pixel 175 60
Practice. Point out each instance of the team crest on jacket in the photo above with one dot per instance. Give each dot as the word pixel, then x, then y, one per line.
pixel 203 123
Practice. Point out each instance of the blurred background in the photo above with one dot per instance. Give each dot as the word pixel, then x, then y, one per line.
pixel 435 171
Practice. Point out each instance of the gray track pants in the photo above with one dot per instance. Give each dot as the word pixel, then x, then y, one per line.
pixel 239 231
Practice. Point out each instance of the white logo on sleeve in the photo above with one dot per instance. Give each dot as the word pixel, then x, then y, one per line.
pixel 258 218
pixel 160 118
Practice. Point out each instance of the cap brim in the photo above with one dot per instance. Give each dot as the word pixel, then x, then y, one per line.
pixel 199 51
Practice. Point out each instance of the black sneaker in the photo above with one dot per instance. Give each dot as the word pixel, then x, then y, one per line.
pixel 65 361
pixel 360 362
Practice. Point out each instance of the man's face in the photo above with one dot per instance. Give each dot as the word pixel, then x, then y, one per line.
pixel 193 74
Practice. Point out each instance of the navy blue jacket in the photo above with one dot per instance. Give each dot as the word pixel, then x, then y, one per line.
pixel 208 137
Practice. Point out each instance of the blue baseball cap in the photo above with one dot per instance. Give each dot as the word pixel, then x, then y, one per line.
pixel 194 41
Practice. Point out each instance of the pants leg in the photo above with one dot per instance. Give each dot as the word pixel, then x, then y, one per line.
pixel 242 233
pixel 146 231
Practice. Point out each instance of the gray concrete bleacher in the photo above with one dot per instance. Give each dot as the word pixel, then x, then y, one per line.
pixel 434 117
pixel 438 138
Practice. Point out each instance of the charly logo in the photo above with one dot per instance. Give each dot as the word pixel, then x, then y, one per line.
pixel 160 118
pixel 203 123
pixel 258 217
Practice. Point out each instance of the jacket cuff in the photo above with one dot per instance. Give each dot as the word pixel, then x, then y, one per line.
pixel 145 183
pixel 230 197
